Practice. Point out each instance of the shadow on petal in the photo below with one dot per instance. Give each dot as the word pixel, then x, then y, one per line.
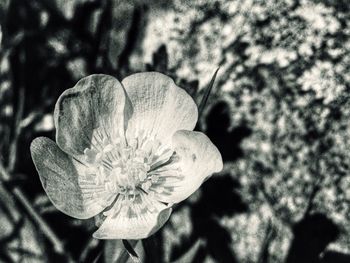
pixel 59 175
pixel 96 101
pixel 138 220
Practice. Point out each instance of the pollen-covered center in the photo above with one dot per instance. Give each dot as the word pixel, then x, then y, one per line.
pixel 125 166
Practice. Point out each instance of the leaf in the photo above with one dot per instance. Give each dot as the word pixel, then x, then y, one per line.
pixel 207 93
pixel 129 248
pixel 160 59
pixel 190 255
pixel 115 251
pixel 97 257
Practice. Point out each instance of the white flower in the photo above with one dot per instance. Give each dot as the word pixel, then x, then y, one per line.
pixel 125 151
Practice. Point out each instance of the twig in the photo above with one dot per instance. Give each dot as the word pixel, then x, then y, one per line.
pixel 92 243
pixel 97 257
pixel 269 236
pixel 30 119
pixel 270 202
pixel 44 227
pixel 103 26
pixel 5 176
pixel 314 192
pixel 190 255
pixel 17 131
pixel 135 31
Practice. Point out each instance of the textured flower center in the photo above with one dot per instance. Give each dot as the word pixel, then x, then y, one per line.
pixel 125 167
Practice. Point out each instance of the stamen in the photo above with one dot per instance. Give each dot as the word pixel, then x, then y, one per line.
pixel 124 169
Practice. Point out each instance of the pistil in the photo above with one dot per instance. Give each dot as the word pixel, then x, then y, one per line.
pixel 125 168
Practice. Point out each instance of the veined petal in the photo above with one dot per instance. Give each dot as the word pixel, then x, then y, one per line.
pixel 59 175
pixel 96 101
pixel 196 158
pixel 136 220
pixel 160 107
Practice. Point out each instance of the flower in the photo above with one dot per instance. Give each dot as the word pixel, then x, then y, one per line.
pixel 125 152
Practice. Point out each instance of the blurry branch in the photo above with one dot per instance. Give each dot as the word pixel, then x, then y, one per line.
pixel 97 258
pixel 17 131
pixel 189 256
pixel 34 216
pixel 134 33
pixel 6 251
pixel 15 191
pixel 3 205
pixel 25 253
pixel 269 237
pixel 103 27
pixel 14 233
pixel 91 244
pixel 270 201
pixel 8 46
pixel 30 119
pixel 19 125
pixel 315 189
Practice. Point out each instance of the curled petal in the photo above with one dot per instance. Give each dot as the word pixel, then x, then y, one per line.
pixel 196 158
pixel 160 107
pixel 60 175
pixel 136 220
pixel 96 101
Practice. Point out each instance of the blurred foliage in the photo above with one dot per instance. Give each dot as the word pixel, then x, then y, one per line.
pixel 279 115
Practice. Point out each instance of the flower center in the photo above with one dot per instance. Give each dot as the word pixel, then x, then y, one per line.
pixel 125 167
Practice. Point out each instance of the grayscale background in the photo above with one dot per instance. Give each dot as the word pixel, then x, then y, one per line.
pixel 279 114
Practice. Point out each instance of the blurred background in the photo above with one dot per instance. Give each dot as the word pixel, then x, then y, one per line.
pixel 279 114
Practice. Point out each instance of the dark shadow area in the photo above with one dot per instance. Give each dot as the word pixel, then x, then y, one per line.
pixel 219 198
pixel 218 130
pixel 74 235
pixel 311 237
pixel 219 195
pixel 335 257
pixel 47 46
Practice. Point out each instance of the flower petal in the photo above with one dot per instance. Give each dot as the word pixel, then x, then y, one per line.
pixel 59 175
pixel 196 158
pixel 96 101
pixel 160 107
pixel 137 220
